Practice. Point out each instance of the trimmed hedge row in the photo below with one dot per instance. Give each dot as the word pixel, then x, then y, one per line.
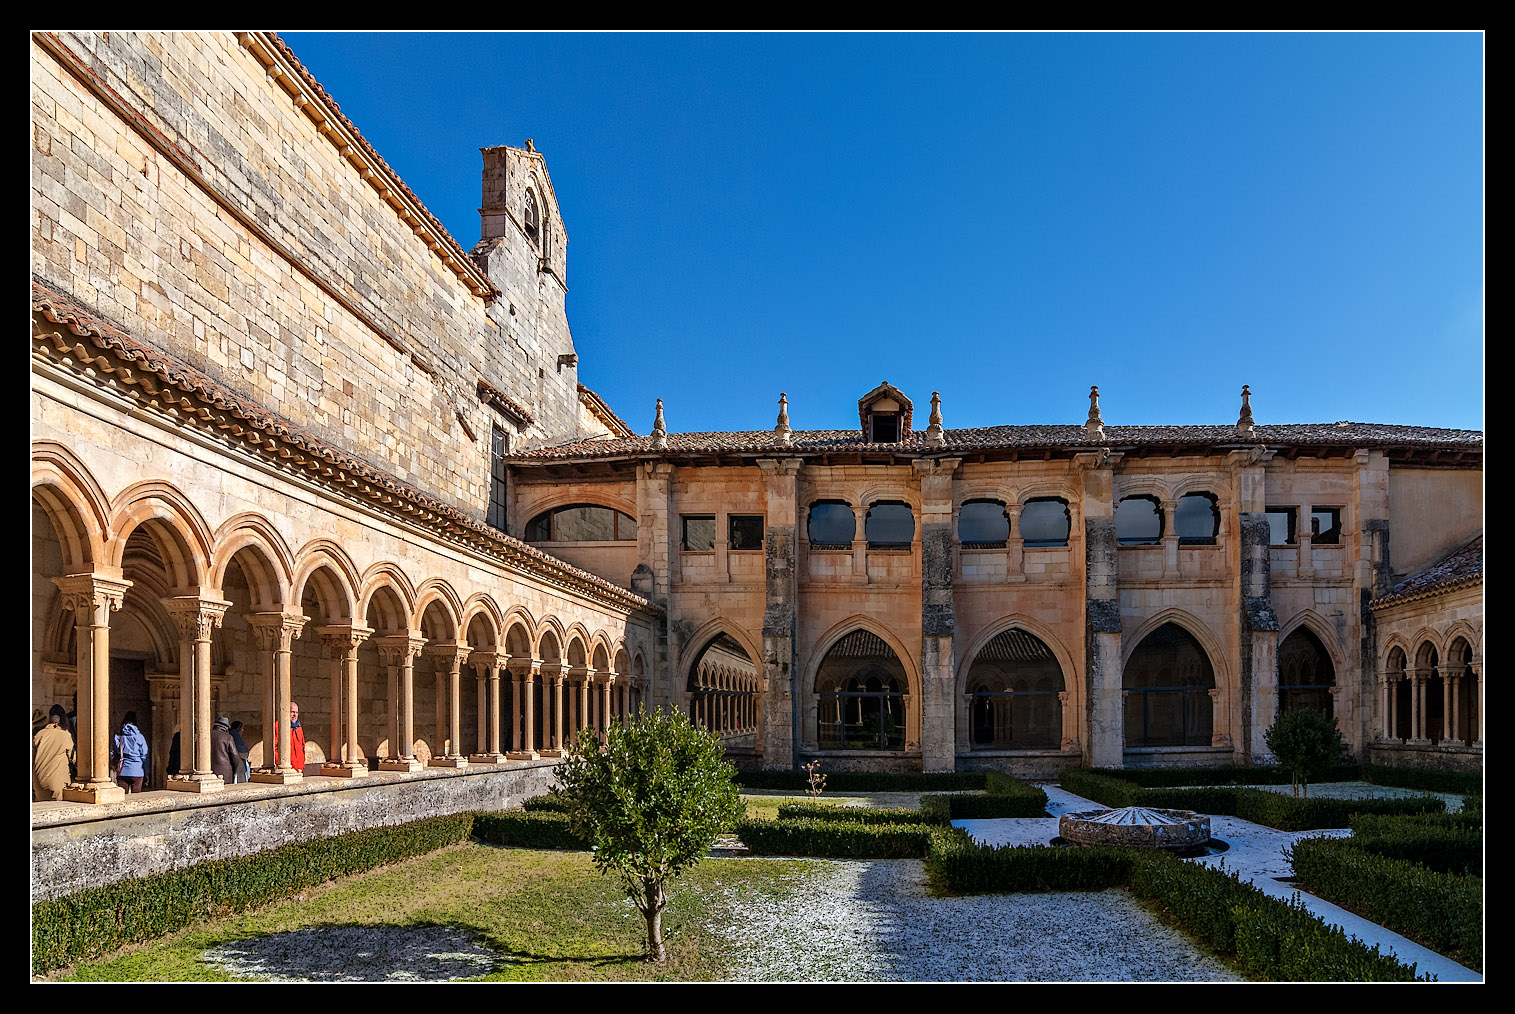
pixel 1443 911
pixel 864 781
pixel 96 920
pixel 942 809
pixel 1454 782
pixel 835 839
pixel 1274 939
pixel 1260 806
pixel 852 814
pixel 1447 846
pixel 550 803
pixel 540 829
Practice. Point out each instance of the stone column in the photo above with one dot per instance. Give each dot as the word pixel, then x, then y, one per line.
pixel 605 706
pixel 1105 712
pixel 449 660
pixel 1476 668
pixel 780 744
pixel 93 597
pixel 1394 681
pixel 487 667
pixel 1456 720
pixel 1015 546
pixel 494 704
pixel 1302 531
pixel 582 724
pixel 398 653
pixel 196 617
pixel 343 641
pixel 860 544
pixel 275 632
pixel 1447 725
pixel 1385 711
pixel 1170 538
pixel 1069 740
pixel 523 742
pixel 1417 706
pixel 938 738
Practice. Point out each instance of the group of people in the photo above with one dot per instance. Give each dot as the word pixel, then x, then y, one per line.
pixel 54 749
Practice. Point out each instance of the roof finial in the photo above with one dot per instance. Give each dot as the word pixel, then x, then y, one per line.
pixel 529 145
pixel 1245 427
pixel 782 433
pixel 659 430
pixel 934 435
pixel 1094 426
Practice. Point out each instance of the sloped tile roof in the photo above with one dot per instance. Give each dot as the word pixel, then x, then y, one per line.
pixel 1463 567
pixel 1342 434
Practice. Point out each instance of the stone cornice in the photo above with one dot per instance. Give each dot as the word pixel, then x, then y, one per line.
pixel 94 349
pixel 306 92
pixel 503 403
pixel 602 412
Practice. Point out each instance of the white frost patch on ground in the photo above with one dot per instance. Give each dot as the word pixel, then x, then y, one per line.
pixel 357 954
pixel 870 921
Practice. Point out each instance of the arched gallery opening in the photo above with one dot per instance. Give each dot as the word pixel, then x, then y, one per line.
pixel 862 696
pixel 1013 695
pixel 1305 673
pixel 723 688
pixel 1167 683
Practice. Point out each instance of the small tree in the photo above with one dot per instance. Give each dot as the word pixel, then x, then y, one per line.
pixel 1306 742
pixel 650 804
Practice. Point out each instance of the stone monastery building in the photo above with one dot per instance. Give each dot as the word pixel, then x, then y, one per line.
pixel 292 442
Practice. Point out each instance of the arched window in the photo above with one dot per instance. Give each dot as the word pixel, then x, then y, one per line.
pixel 1167 684
pixel 1305 673
pixel 1013 698
pixel 861 695
pixel 982 524
pixel 581 522
pixel 889 525
pixel 723 688
pixel 1045 522
pixel 1197 519
pixel 531 219
pixel 831 525
pixel 1138 521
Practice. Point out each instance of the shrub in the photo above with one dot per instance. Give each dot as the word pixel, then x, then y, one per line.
pixel 1283 942
pixel 1454 782
pixel 835 839
pixel 545 804
pixel 851 814
pixel 1199 898
pixel 541 829
pixel 100 919
pixel 865 781
pixel 970 868
pixel 651 804
pixel 1443 911
pixel 1448 845
pixel 1307 744
pixel 944 808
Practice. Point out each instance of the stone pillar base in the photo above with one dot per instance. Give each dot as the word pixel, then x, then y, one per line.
pixel 277 777
pixel 106 793
pixel 487 758
pixel 448 762
pixel 344 770
pixel 522 755
pixel 551 753
pixel 1418 742
pixel 400 764
pixel 196 783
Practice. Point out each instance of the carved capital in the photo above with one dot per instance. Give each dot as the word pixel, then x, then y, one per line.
pixel 275 631
pixel 343 639
pixel 453 655
pixel 780 466
pixel 399 649
pixel 1250 456
pixel 85 594
pixel 196 617
pixel 936 466
pixel 1101 458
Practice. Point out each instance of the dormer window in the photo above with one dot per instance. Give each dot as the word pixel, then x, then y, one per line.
pixel 884 413
pixel 531 219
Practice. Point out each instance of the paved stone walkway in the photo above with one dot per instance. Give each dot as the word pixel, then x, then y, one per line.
pixel 1256 854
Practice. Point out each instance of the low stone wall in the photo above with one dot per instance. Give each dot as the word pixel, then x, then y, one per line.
pixel 79 846
pixel 1181 757
pixel 1034 767
pixel 1454 757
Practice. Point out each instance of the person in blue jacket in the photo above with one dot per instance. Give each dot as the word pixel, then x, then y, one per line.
pixel 131 747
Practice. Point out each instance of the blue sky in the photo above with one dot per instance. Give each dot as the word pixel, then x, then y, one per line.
pixel 1005 219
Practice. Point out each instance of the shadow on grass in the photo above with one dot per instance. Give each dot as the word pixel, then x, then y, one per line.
pixel 354 953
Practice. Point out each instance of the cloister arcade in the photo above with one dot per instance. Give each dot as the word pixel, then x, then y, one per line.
pixel 139 605
pixel 724 689
pixel 1169 688
pixel 1015 697
pixel 1437 700
pixel 863 696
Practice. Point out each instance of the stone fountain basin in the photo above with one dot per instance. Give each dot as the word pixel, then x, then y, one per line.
pixel 1139 827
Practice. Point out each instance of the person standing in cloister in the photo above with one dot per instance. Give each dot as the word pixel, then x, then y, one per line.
pixel 297 735
pixel 53 754
pixel 132 746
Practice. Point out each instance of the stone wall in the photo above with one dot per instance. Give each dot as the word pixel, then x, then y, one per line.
pixel 87 846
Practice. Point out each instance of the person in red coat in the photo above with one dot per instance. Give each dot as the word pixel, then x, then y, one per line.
pixel 296 735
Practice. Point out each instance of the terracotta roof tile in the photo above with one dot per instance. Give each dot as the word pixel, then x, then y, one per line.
pixel 1462 567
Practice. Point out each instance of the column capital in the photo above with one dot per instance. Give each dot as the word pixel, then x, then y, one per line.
pixel 579 672
pixel 780 466
pixel 195 616
pixel 936 466
pixel 343 636
pixel 457 655
pixel 551 668
pixel 492 659
pixel 398 649
pixel 275 631
pixel 84 593
pixel 1102 458
pixel 520 665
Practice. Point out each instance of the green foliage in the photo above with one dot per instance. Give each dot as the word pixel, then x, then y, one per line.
pixel 1199 898
pixel 1283 942
pixel 545 804
pixel 100 919
pixel 1443 911
pixel 650 804
pixel 1307 744
pixel 944 808
pixel 836 839
pixel 1273 809
pixel 1451 844
pixel 865 781
pixel 1454 782
pixel 966 867
pixel 540 829
pixel 851 814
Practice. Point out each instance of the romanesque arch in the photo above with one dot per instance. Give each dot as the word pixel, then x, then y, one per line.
pixel 1307 666
pixel 1014 690
pixel 1169 683
pixel 864 690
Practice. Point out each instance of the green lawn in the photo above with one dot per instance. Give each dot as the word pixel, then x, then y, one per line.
pixel 548 915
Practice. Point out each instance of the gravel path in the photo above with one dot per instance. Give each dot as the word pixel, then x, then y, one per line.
pixel 857 921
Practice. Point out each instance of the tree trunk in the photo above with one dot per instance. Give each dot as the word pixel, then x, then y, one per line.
pixel 652 904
